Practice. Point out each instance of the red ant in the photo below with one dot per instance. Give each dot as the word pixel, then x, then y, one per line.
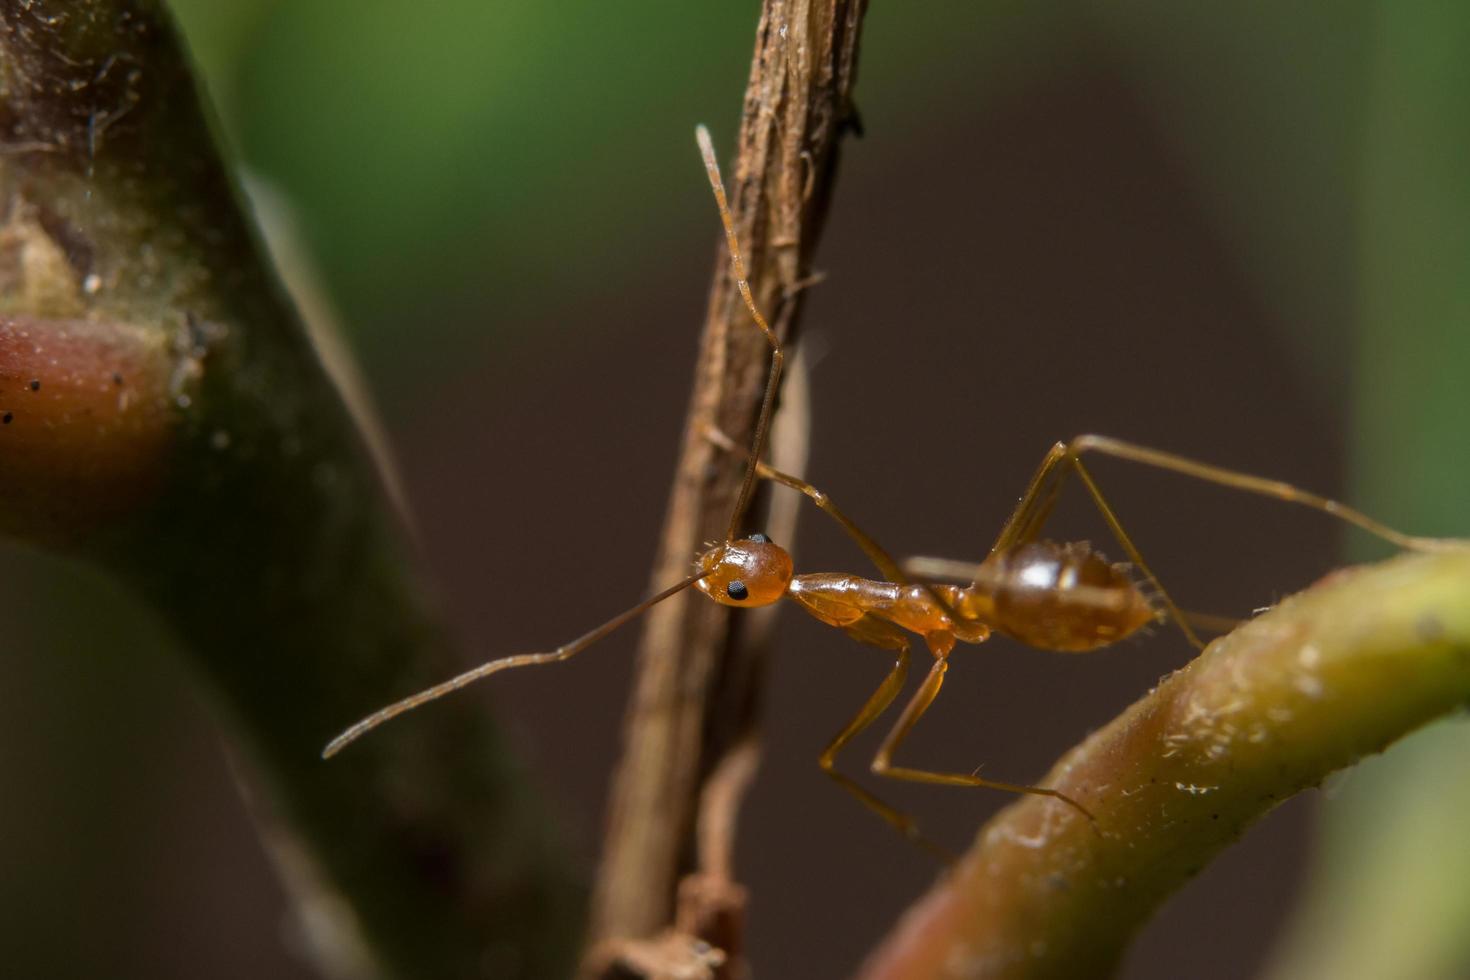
pixel 1054 596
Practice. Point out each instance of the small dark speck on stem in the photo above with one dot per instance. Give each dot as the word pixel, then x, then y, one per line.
pixel 35 384
pixel 1429 628
pixel 7 418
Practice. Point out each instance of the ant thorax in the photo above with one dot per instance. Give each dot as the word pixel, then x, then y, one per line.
pixel 749 572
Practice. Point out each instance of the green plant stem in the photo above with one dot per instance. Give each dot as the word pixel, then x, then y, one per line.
pixel 1328 676
pixel 1394 837
pixel 264 539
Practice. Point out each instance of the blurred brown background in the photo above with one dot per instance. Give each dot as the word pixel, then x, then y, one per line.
pixel 1182 229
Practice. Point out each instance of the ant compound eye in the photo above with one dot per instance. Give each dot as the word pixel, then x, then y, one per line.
pixel 759 538
pixel 745 573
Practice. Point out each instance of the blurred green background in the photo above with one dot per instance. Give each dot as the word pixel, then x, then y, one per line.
pixel 1239 231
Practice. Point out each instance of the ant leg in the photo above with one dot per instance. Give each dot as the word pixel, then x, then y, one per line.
pixel 1036 505
pixel 1210 622
pixel 880 634
pixel 1065 458
pixel 922 699
pixel 1260 486
pixel 1134 555
pixel 930 569
pixel 886 565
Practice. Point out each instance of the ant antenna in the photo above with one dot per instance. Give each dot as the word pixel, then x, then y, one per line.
pixel 495 666
pixel 763 424
pixel 762 429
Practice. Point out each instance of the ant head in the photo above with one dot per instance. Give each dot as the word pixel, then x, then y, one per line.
pixel 748 572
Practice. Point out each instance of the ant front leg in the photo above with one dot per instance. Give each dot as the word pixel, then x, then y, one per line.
pixel 889 568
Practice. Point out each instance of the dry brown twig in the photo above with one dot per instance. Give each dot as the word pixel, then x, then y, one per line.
pixel 696 693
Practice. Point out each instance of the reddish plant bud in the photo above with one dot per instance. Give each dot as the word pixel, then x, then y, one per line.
pixel 85 417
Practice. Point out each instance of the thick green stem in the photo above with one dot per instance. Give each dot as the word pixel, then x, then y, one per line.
pixel 241 504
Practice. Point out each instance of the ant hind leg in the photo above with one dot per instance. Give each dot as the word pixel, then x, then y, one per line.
pixel 880 634
pixel 1036 505
pixel 1066 458
pixel 922 699
pixel 1275 489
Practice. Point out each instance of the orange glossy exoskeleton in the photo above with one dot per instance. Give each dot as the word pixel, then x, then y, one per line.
pixel 1055 596
pixel 749 572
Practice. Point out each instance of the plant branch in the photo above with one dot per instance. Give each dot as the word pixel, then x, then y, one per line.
pixel 201 454
pixel 696 694
pixel 1339 671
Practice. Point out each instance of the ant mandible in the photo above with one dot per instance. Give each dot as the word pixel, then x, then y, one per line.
pixel 1054 596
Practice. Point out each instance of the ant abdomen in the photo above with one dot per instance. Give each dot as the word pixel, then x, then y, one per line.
pixel 1064 597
